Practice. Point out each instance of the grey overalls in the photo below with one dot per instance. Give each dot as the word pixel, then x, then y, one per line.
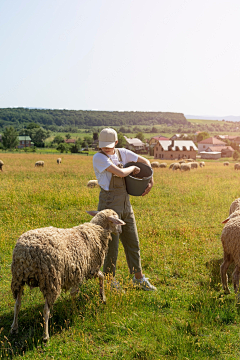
pixel 117 199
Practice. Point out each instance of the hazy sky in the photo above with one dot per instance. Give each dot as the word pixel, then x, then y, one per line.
pixel 155 55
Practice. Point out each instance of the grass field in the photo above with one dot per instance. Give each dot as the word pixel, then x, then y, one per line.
pixel 179 225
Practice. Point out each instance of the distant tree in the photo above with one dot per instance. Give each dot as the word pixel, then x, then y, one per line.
pixel 154 130
pixel 10 138
pixel 63 147
pixel 140 136
pixel 75 148
pixel 88 140
pixel 38 136
pixel 121 140
pixel 32 125
pixel 236 155
pixel 95 136
pixel 58 139
pixel 68 136
pixel 202 135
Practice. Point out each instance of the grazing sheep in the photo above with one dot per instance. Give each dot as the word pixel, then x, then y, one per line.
pixel 202 164
pixel 163 165
pixel 1 165
pixel 235 205
pixel 171 165
pixel 92 183
pixel 155 164
pixel 231 248
pixel 226 163
pixel 237 166
pixel 194 165
pixel 54 259
pixel 185 167
pixel 39 163
pixel 182 161
pixel 59 160
pixel 176 166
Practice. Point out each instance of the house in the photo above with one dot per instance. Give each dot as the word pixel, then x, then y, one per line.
pixel 134 144
pixel 226 151
pixel 210 142
pixel 214 155
pixel 70 141
pixel 233 139
pixel 155 139
pixel 178 136
pixel 175 149
pixel 24 141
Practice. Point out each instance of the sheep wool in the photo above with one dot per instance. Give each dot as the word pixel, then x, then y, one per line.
pixel 92 184
pixel 226 163
pixel 237 166
pixel 231 247
pixel 163 165
pixel 176 166
pixel 155 164
pixel 59 160
pixel 235 205
pixel 1 165
pixel 185 167
pixel 39 163
pixel 54 259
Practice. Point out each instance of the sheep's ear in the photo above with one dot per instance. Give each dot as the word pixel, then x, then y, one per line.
pixel 226 220
pixel 116 221
pixel 93 212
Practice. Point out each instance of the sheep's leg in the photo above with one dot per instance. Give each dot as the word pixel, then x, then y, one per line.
pixel 101 286
pixel 236 276
pixel 17 306
pixel 223 269
pixel 46 313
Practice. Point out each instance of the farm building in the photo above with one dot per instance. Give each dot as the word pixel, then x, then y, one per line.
pixel 155 139
pixel 233 139
pixel 210 155
pixel 175 149
pixel 210 142
pixel 70 141
pixel 24 141
pixel 226 151
pixel 134 144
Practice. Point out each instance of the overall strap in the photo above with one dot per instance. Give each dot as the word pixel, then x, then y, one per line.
pixel 117 152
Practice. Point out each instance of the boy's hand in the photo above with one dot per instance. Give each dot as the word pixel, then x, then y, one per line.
pixel 136 170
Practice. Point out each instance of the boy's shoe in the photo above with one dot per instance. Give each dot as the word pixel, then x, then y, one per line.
pixel 115 285
pixel 143 283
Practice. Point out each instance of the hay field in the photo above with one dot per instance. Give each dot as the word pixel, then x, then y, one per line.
pixel 179 225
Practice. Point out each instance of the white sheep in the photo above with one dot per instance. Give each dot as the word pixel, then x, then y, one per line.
pixel 202 164
pixel 39 163
pixel 226 163
pixel 185 167
pixel 163 165
pixel 171 165
pixel 155 164
pixel 1 165
pixel 194 165
pixel 237 166
pixel 54 259
pixel 235 205
pixel 92 184
pixel 176 166
pixel 59 160
pixel 231 248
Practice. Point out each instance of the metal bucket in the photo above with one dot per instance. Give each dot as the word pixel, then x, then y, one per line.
pixel 137 184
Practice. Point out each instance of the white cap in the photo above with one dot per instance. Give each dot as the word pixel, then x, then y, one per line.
pixel 107 138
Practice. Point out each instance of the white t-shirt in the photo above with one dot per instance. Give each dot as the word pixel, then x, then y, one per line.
pixel 101 162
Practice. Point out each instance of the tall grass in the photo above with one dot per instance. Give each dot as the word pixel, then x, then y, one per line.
pixel 179 225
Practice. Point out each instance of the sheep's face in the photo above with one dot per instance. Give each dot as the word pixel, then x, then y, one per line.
pixel 108 219
pixel 232 216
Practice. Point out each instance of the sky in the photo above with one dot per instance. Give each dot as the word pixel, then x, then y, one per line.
pixel 121 55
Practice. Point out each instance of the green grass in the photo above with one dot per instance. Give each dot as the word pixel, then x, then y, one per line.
pixel 179 225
